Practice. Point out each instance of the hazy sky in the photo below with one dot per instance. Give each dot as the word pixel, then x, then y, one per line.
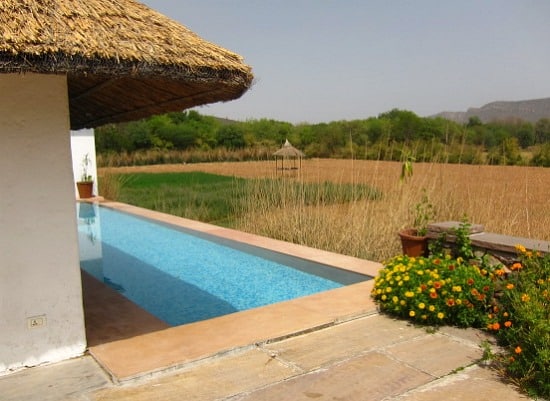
pixel 321 60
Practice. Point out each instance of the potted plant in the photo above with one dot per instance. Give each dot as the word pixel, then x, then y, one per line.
pixel 86 184
pixel 413 239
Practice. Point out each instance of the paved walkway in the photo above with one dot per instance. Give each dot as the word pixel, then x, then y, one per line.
pixel 370 358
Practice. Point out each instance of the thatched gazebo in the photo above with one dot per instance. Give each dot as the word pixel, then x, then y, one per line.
pixel 288 152
pixel 77 64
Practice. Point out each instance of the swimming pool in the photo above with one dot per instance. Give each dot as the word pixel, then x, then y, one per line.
pixel 182 276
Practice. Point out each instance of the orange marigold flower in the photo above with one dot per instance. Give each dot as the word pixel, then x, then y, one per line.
pixel 480 297
pixel 500 272
pixel 516 266
pixel 496 326
pixel 437 261
pixel 496 308
pixel 433 295
pixel 512 359
pixel 507 323
pixel 474 292
pixel 510 286
pixel 470 281
pixel 437 285
pixel 518 350
pixel 450 302
pixel 485 288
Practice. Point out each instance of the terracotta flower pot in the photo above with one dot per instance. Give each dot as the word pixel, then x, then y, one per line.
pixel 85 189
pixel 413 244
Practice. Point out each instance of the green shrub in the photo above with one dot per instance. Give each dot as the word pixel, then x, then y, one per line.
pixel 435 290
pixel 520 320
pixel 512 303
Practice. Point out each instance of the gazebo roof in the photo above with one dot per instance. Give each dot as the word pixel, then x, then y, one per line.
pixel 288 150
pixel 123 61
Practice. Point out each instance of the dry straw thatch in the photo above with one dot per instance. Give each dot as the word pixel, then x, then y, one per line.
pixel 287 150
pixel 123 61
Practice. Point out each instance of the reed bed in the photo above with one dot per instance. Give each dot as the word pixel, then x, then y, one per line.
pixel 509 200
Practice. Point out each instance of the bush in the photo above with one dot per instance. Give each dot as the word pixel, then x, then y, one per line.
pixel 520 320
pixel 513 303
pixel 435 291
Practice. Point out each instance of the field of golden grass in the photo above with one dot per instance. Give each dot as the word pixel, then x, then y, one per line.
pixel 507 200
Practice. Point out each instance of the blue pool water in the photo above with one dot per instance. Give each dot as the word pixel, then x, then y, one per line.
pixel 182 277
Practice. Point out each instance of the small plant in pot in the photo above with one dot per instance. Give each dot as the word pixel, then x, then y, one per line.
pixel 413 239
pixel 86 184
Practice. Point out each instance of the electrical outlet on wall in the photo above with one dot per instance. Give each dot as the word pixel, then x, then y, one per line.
pixel 35 322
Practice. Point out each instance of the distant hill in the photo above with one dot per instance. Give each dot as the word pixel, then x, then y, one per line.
pixel 527 110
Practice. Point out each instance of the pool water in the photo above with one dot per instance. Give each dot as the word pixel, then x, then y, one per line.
pixel 182 276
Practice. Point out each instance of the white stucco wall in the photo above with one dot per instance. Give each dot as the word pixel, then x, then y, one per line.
pixel 39 266
pixel 82 144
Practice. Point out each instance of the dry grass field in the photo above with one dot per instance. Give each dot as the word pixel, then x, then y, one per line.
pixel 506 200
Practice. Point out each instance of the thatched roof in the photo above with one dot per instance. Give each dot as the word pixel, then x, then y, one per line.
pixel 123 61
pixel 288 151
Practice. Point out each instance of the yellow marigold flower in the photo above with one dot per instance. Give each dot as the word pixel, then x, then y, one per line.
pixel 457 288
pixel 384 297
pixel 540 281
pixel 412 313
pixel 424 317
pixel 421 262
pixel 395 299
pixel 379 291
pixel 388 289
pixel 402 302
pixel 409 294
pixel 421 305
pixel 520 248
pixel 406 278
pixel 400 284
pixel 420 272
pixel 459 301
pixel 440 315
pixel 459 260
pixel 431 308
pixel 525 298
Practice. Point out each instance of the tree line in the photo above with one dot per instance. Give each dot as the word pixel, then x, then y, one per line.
pixel 393 135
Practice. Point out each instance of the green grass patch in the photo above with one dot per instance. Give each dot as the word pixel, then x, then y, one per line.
pixel 221 199
pixel 195 195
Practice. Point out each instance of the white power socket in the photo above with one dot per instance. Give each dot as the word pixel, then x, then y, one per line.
pixel 36 322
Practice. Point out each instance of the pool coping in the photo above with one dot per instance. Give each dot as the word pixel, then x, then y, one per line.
pixel 175 347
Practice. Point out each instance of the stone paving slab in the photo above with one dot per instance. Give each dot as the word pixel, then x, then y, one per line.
pixel 339 342
pixel 216 379
pixel 57 382
pixel 473 383
pixel 435 354
pixel 373 376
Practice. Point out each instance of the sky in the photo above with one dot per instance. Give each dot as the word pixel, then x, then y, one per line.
pixel 326 60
